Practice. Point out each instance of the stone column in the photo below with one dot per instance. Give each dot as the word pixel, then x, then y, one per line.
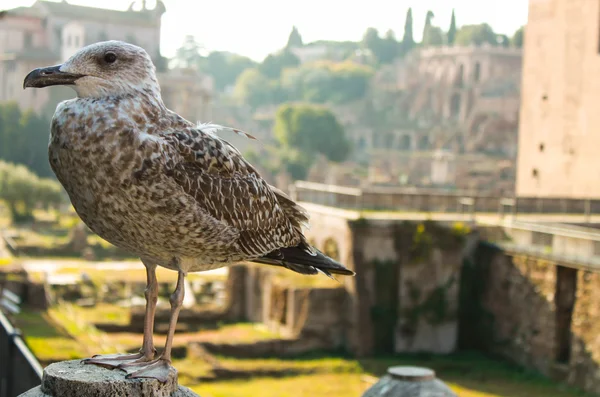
pixel 74 379
pixel 236 292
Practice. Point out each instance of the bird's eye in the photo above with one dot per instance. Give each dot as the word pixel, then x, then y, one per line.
pixel 110 57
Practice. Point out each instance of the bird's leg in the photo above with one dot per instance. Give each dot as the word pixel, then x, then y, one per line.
pixel 147 351
pixel 151 295
pixel 159 368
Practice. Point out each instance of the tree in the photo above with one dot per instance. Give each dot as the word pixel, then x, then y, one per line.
pixel 274 64
pixel 24 138
pixel 452 31
pixel 371 38
pixel 33 150
pixel 517 39
pixel 310 129
pixel 390 47
pixel 225 67
pixel 503 40
pixel 326 81
pixel 384 50
pixel 295 40
pixel 476 34
pixel 189 54
pixel 428 19
pixel 22 190
pixel 408 41
pixel 434 36
pixel 253 88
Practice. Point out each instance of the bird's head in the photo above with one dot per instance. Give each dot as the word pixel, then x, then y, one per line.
pixel 108 68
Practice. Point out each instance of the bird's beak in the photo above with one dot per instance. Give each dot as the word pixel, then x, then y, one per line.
pixel 52 75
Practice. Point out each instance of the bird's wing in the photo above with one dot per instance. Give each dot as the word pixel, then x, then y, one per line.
pixel 228 188
pixel 211 128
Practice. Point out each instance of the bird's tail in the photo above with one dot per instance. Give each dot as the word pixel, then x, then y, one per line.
pixel 300 260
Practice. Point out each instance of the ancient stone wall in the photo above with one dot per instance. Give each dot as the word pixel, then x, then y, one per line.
pixel 406 287
pixel 537 313
pixel 520 296
pixel 295 311
pixel 429 303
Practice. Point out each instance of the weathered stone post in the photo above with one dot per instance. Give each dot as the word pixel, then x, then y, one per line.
pixel 409 382
pixel 75 379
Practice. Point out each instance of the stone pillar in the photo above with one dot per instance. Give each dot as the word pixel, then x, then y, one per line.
pixel 409 381
pixel 75 379
pixel 236 293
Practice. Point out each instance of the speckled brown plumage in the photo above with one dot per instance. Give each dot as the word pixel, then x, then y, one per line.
pixel 147 180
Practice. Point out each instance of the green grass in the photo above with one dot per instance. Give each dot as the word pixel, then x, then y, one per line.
pixel 469 375
pixel 329 385
pixel 474 375
pixel 101 313
pixel 47 340
pixel 301 365
pixel 66 332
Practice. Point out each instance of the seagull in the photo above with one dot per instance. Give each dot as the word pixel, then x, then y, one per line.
pixel 170 191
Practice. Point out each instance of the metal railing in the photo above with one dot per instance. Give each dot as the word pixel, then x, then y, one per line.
pixel 435 200
pixel 19 369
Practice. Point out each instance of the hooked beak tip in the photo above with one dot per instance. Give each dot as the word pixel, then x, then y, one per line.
pixel 44 77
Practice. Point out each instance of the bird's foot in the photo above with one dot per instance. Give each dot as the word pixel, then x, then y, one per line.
pixel 157 369
pixel 117 360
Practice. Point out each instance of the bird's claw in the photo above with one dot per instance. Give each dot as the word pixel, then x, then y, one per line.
pixel 116 360
pixel 158 369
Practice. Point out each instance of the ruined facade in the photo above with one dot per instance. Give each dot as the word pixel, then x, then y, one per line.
pixel 48 33
pixel 558 139
pixel 440 107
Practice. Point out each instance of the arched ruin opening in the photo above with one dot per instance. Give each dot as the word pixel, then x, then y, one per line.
pixel 455 105
pixel 389 141
pixel 460 76
pixel 362 143
pixel 477 73
pixel 404 143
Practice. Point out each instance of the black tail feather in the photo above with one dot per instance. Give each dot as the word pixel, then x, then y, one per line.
pixel 299 260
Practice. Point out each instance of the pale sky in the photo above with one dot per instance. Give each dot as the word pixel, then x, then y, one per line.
pixel 257 27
